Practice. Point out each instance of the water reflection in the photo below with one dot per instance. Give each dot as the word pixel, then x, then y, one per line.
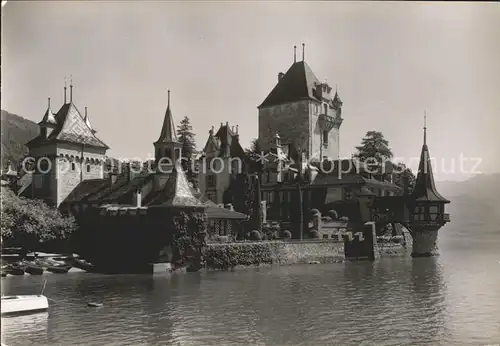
pixel 395 301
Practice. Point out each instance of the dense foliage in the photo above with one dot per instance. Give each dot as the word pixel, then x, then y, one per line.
pixel 26 223
pixel 189 237
pixel 225 256
pixel 374 147
pixel 186 137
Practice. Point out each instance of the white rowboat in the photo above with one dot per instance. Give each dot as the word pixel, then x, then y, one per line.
pixel 24 304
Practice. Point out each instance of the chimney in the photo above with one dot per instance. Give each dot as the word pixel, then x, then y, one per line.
pixel 138 198
pixel 280 76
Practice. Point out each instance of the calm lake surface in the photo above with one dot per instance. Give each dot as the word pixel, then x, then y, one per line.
pixel 450 300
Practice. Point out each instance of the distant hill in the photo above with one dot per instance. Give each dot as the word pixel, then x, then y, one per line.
pixel 484 187
pixel 16 132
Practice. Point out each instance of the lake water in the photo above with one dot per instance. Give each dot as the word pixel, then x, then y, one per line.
pixel 453 299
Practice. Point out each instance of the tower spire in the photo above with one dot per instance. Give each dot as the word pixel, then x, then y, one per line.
pixel 303 51
pixel 294 54
pixel 49 103
pixel 71 89
pixel 425 127
pixel 168 98
pixel 65 87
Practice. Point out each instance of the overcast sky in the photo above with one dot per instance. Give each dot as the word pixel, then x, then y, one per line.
pixel 391 61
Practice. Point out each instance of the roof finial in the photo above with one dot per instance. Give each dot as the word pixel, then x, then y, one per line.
pixel 336 88
pixel 303 51
pixel 71 88
pixel 236 129
pixel 65 87
pixel 49 102
pixel 168 98
pixel 85 112
pixel 425 127
pixel 294 54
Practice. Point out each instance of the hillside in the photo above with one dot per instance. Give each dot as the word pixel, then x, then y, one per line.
pixel 16 131
pixel 484 187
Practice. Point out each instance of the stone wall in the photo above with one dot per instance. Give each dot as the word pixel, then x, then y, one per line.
pixel 290 120
pixel 227 255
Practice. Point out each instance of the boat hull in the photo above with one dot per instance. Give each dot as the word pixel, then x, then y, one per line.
pixel 14 305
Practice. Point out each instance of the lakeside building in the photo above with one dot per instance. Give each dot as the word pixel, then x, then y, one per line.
pixel 70 162
pixel 299 132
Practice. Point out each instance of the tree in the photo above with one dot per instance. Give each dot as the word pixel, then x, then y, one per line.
pixel 185 136
pixel 254 154
pixel 27 223
pixel 374 147
pixel 402 176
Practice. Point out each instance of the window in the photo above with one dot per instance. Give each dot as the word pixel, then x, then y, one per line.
pixel 210 180
pixel 325 138
pixel 73 166
pixel 347 194
pixel 326 108
pixel 88 168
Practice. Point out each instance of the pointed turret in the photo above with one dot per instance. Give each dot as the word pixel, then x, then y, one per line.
pixel 425 188
pixel 49 118
pixel 168 133
pixel 167 148
pixel 87 121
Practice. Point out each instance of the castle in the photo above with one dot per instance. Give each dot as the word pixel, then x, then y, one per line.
pixel 299 126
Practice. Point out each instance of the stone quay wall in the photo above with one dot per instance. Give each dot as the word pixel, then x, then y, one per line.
pixel 229 255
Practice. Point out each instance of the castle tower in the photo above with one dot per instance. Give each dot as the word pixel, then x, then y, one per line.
pixel 167 148
pixel 427 208
pixel 66 152
pixel 305 113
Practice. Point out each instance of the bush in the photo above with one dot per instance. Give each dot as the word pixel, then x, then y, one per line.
pixel 287 234
pixel 314 234
pixel 29 222
pixel 230 255
pixel 189 237
pixel 255 235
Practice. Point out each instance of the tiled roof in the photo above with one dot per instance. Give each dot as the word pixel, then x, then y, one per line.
pixel 168 133
pixel 216 213
pixel 85 189
pixel 425 188
pixel 176 192
pixel 71 127
pixel 298 83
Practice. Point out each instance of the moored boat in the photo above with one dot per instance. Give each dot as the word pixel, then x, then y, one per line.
pixel 82 264
pixel 32 268
pixel 24 304
pixel 52 266
pixel 58 269
pixel 15 269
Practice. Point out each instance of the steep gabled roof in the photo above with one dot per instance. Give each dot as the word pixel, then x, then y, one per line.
pixel 177 192
pixel 70 127
pixel 48 118
pixel 297 84
pixel 168 133
pixel 425 188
